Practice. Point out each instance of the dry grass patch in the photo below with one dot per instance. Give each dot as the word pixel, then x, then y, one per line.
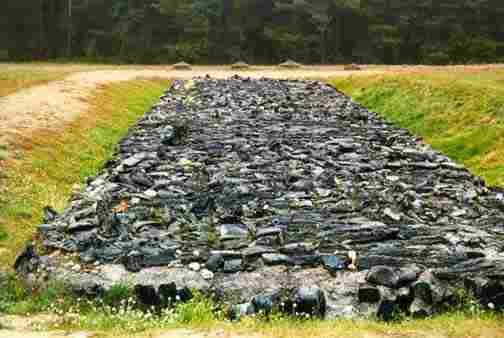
pixel 14 80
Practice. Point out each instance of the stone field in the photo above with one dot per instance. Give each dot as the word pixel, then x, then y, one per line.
pixel 277 194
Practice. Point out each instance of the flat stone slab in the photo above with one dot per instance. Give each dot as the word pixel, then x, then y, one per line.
pixel 241 187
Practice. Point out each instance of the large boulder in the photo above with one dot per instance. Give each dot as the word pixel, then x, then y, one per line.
pixel 382 275
pixel 309 301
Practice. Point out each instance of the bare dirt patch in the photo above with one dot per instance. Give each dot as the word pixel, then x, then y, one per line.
pixel 26 327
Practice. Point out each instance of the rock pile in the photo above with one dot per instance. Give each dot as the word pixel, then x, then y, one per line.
pixel 290 64
pixel 278 194
pixel 182 66
pixel 240 65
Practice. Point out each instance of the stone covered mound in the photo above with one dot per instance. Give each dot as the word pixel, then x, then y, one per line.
pixel 270 192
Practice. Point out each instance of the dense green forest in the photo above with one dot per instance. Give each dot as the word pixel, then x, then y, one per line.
pixel 257 31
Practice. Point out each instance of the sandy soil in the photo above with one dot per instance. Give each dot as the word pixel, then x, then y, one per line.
pixel 24 327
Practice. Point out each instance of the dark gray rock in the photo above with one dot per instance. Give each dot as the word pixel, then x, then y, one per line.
pixel 133 261
pixel 489 292
pixel 50 214
pixel 184 294
pixel 167 294
pixel 233 265
pixel 408 275
pixel 239 311
pixel 255 251
pixel 310 301
pixel 382 275
pixel 215 262
pixel 265 303
pixel 368 294
pixel 387 310
pixel 428 288
pixel 276 259
pixel 147 295
pixel 27 262
pixel 333 263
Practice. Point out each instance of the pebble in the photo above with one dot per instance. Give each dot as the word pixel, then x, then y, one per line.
pixel 207 274
pixel 195 266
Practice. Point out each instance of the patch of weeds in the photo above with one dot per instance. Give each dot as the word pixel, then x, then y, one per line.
pixel 11 292
pixel 199 310
pixel 127 315
pixel 213 237
pixel 464 302
pixel 118 294
pixel 45 299
pixel 4 155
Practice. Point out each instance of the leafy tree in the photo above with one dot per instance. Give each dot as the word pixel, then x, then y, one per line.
pixel 260 31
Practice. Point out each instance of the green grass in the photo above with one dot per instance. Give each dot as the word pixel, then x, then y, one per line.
pixel 460 114
pixel 53 163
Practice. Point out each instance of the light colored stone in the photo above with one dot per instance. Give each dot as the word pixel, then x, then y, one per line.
pixel 207 274
pixel 195 266
pixel 150 193
pixel 115 273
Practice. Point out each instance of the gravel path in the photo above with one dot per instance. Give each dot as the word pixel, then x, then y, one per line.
pixel 46 106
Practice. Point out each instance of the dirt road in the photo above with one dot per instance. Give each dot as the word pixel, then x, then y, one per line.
pixel 34 327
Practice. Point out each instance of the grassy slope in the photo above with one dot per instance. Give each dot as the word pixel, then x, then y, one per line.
pixel 51 164
pixel 459 113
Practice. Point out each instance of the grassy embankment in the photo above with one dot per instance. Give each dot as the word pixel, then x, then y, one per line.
pixel 50 164
pixel 459 113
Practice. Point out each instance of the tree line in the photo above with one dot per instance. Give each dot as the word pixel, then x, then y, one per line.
pixel 256 31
